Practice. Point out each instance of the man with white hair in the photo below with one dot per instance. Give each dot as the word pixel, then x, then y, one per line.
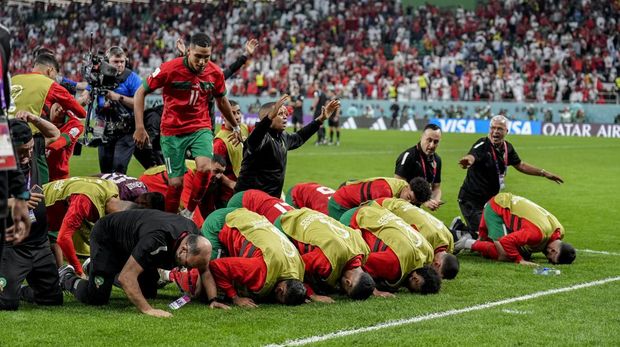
pixel 487 163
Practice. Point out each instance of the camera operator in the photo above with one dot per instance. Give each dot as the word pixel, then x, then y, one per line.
pixel 115 107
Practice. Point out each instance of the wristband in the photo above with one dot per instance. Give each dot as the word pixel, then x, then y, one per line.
pixel 212 300
pixel 237 129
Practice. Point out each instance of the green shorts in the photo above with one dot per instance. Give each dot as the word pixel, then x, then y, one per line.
pixel 200 144
pixel 494 222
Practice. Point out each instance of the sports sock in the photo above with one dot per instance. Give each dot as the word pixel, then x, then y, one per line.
pixel 485 248
pixel 173 197
pixel 199 187
pixel 337 135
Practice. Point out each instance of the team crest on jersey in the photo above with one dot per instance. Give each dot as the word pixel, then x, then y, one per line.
pixel 74 132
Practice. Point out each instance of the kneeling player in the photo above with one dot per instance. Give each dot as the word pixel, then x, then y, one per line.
pixel 256 256
pixel 399 256
pixel 311 195
pixel 353 193
pixel 333 253
pixel 513 227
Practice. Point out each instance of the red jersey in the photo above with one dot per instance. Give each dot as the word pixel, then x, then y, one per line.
pixel 67 217
pixel 353 195
pixel 244 267
pixel 159 183
pixel 60 151
pixel 264 204
pixel 311 195
pixel 186 93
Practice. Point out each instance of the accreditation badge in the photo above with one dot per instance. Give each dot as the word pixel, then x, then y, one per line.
pixel 502 184
pixel 7 156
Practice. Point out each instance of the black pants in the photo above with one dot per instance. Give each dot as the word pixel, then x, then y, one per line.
pixel 105 264
pixel 114 156
pixel 36 265
pixel 472 211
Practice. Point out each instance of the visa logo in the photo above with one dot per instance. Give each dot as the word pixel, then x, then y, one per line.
pixel 457 125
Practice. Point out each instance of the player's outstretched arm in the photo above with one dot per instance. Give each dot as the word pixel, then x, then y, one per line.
pixel 532 170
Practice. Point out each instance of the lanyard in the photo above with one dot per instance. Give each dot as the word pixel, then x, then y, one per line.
pixel 434 165
pixel 499 174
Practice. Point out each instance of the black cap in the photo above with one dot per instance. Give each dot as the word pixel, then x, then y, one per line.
pixel 20 132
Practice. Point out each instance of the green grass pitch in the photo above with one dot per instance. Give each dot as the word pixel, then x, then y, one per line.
pixel 587 205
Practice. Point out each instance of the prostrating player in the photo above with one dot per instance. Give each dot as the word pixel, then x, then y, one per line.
pixel 255 256
pixel 433 230
pixel 73 205
pixel 134 244
pixel 311 195
pixel 188 83
pixel 353 193
pixel 513 227
pixel 333 253
pixel 399 256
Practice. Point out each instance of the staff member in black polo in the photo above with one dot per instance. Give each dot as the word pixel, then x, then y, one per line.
pixel 265 151
pixel 487 163
pixel 135 243
pixel 422 161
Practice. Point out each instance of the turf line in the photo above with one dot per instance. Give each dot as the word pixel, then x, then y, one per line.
pixel 416 319
pixel 597 252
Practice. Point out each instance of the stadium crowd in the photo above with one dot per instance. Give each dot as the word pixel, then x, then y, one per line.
pixel 544 50
pixel 216 216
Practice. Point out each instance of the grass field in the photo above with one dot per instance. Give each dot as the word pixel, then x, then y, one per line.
pixel 587 205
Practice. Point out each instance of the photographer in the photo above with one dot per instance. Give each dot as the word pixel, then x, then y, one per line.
pixel 115 108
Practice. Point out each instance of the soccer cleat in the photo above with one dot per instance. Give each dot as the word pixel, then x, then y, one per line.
pixel 465 242
pixel 65 274
pixel 337 143
pixel 187 214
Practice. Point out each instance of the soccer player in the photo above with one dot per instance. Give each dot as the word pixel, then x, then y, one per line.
pixel 39 90
pixel 433 230
pixel 60 151
pixel 311 195
pixel 353 193
pixel 257 257
pixel 233 154
pixel 513 227
pixel 156 180
pixel 399 256
pixel 133 245
pixel 332 252
pixel 188 83
pixel 129 188
pixel 75 204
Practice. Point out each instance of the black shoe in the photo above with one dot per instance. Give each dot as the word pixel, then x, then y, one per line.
pixel 458 228
pixel 65 274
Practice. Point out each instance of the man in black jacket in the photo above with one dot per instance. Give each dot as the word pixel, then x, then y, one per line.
pixel 265 151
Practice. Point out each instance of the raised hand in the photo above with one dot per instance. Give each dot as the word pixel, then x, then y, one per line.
pixel 274 112
pixel 250 47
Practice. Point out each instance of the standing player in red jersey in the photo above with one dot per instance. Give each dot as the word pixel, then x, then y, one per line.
pixel 188 83
pixel 311 195
pixel 59 152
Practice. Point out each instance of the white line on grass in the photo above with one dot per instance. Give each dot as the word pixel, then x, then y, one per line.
pixel 597 252
pixel 395 323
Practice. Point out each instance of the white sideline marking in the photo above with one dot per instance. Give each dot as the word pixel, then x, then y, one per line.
pixel 597 252
pixel 395 323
